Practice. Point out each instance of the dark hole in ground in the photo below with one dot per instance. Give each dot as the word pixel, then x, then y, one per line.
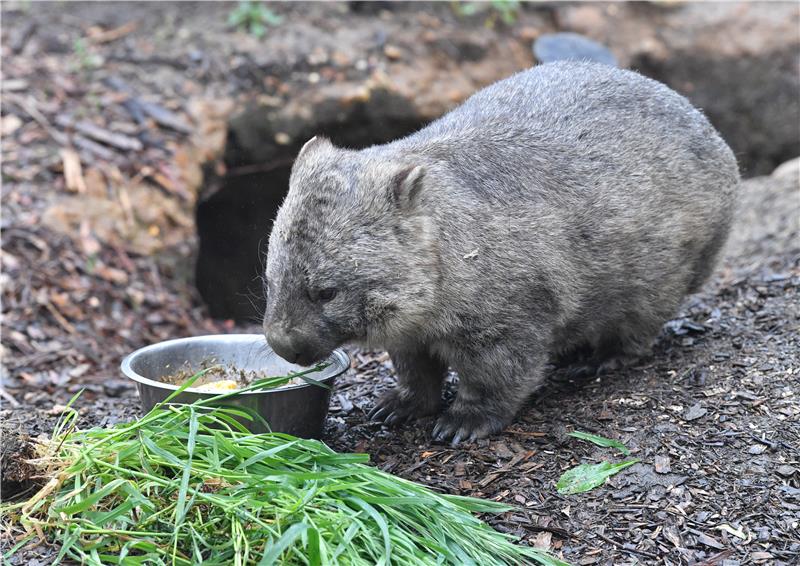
pixel 234 226
pixel 753 101
pixel 235 213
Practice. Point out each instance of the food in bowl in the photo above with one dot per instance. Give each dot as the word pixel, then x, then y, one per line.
pixel 219 378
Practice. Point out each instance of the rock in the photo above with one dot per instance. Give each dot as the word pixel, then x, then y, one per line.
pixel 392 52
pixel 788 170
pixel 661 465
pixel 9 124
pixel 116 387
pixel 766 223
pixel 786 470
pixel 694 412
pixel 571 47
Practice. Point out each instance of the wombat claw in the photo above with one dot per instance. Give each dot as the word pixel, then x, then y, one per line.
pixel 458 426
pixel 395 407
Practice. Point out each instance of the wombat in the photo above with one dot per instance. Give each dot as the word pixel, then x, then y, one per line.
pixel 567 208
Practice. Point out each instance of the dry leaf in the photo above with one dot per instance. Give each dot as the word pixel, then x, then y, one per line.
pixel 111 274
pixel 735 532
pixel 95 183
pixel 543 540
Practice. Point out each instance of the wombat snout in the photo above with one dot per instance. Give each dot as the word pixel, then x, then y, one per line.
pixel 293 346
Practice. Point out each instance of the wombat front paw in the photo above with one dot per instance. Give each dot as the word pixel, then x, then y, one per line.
pixel 459 424
pixel 397 406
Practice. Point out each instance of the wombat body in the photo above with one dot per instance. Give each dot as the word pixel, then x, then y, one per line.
pixel 567 208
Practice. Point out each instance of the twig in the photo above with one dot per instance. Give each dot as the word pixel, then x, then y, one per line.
pixel 622 548
pixel 107 36
pixel 492 476
pixel 73 172
pixel 120 141
pixel 716 559
pixel 100 151
pixel 60 318
pixel 154 60
pixel 8 397
pixel 163 116
pixel 29 106
pixel 20 39
pixel 527 433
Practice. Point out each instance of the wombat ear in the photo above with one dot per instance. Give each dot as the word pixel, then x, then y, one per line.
pixel 315 142
pixel 406 185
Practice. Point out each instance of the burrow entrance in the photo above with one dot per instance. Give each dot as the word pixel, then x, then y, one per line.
pixel 752 101
pixel 235 211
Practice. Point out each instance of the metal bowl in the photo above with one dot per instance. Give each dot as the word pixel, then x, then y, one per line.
pixel 299 410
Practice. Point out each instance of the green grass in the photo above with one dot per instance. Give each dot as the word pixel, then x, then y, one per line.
pixel 189 484
pixel 505 10
pixel 254 17
pixel 601 441
pixel 586 477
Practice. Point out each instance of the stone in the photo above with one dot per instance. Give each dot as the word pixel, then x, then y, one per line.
pixel 694 412
pixel 662 465
pixel 568 46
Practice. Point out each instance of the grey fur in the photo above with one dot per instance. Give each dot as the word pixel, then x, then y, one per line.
pixel 569 206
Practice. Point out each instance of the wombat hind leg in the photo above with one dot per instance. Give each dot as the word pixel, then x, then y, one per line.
pixel 616 351
pixel 419 388
pixel 620 362
pixel 492 387
pixel 706 262
pixel 572 356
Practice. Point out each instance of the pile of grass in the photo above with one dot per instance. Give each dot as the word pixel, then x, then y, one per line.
pixel 188 484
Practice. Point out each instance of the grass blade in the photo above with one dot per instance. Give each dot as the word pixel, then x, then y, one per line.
pixel 274 551
pixel 382 525
pixel 601 441
pixel 180 506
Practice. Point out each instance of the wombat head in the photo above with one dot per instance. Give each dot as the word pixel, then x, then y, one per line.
pixel 351 256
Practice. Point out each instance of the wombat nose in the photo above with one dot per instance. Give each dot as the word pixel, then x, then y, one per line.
pixel 283 345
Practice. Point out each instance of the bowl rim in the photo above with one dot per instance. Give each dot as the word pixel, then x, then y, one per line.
pixel 128 371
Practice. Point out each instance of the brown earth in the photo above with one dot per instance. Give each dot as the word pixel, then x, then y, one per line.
pixel 99 243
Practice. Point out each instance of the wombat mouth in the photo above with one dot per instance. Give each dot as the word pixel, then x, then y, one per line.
pixel 308 361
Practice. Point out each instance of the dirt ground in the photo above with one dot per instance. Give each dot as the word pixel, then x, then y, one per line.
pixel 98 262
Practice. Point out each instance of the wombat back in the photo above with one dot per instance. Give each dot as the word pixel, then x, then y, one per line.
pixel 608 185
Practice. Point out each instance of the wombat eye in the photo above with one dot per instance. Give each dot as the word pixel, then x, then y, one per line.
pixel 322 295
pixel 327 294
